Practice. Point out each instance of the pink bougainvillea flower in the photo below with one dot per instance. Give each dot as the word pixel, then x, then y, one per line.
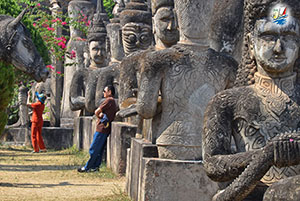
pixel 34 24
pixel 50 66
pixel 50 28
pixel 53 20
pixel 58 72
pixel 58 19
pixel 63 23
pixel 38 4
pixel 62 45
pixel 291 139
pixel 73 54
pixel 45 25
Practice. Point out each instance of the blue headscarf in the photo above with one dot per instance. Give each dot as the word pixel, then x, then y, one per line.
pixel 41 97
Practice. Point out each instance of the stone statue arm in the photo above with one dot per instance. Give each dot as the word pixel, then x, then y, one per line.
pixel 148 93
pixel 77 100
pixel 128 80
pixel 219 162
pixel 108 76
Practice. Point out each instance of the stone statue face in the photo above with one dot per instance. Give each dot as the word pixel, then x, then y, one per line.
pixel 275 47
pixel 97 52
pixel 136 36
pixel 164 26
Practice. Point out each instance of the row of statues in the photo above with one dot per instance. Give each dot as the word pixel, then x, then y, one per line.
pixel 241 119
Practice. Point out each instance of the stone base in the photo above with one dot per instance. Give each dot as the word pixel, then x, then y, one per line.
pixel 117 144
pixel 84 129
pixel 54 137
pixel 169 180
pixel 67 122
pixel 139 148
pixel 149 178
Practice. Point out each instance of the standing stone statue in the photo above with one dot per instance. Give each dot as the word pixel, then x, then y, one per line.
pixel 83 77
pixel 76 44
pixel 136 35
pixel 187 75
pixel 166 34
pixel 261 118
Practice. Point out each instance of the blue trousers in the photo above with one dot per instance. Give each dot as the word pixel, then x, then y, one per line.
pixel 96 150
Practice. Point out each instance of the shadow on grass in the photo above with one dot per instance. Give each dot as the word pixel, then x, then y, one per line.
pixel 32 185
pixel 28 168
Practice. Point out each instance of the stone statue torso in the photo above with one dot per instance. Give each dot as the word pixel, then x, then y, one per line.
pixel 263 111
pixel 188 84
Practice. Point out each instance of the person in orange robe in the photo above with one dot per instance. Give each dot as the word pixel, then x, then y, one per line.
pixel 37 122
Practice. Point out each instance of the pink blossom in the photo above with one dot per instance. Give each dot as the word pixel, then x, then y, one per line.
pixel 58 19
pixel 63 23
pixel 45 25
pixel 73 54
pixel 291 140
pixel 53 20
pixel 62 45
pixel 38 4
pixel 50 66
pixel 34 24
pixel 58 72
pixel 50 29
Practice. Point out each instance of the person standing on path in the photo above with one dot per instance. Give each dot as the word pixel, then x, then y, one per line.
pixel 37 122
pixel 106 114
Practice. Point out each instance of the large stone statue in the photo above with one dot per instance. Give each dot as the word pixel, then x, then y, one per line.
pixel 165 34
pixel 187 75
pixel 17 48
pixel 76 44
pixel 98 59
pixel 262 118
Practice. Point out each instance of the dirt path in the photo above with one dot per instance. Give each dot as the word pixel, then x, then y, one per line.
pixel 53 176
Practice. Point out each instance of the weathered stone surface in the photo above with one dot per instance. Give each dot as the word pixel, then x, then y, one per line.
pixel 139 148
pixel 285 190
pixel 14 136
pixel 169 180
pixel 117 144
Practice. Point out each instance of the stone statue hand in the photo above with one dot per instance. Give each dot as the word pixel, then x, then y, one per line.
pixel 286 149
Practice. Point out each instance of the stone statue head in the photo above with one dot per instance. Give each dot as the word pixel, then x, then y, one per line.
pixel 136 26
pixel 270 45
pixel 164 23
pixel 193 18
pixel 275 47
pixel 97 43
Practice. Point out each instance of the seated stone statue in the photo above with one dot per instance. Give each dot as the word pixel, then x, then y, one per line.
pixel 262 119
pixel 186 75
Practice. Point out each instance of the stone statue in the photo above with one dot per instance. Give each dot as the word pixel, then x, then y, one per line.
pixel 187 75
pixel 17 48
pixel 97 53
pixel 263 117
pixel 76 44
pixel 88 83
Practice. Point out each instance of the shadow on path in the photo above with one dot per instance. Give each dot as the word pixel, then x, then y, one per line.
pixel 32 185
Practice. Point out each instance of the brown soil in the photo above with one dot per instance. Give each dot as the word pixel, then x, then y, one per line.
pixel 53 176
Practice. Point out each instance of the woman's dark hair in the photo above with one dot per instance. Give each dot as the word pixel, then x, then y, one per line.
pixel 112 89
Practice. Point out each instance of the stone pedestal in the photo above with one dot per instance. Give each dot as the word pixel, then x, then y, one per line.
pixel 139 148
pixel 54 137
pixel 153 179
pixel 169 180
pixel 117 144
pixel 84 129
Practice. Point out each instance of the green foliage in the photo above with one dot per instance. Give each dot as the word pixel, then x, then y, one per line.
pixel 6 91
pixel 109 5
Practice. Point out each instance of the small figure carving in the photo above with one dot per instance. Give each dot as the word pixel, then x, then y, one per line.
pixel 262 118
